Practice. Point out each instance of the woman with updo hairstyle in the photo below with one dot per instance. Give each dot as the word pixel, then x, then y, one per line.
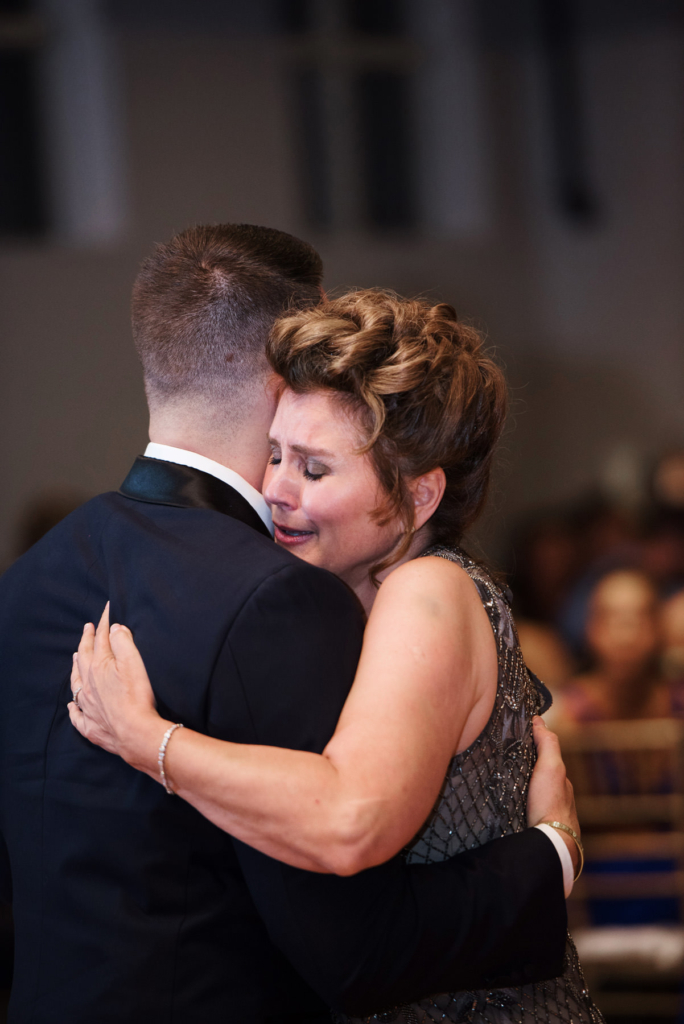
pixel 389 412
pixel 425 393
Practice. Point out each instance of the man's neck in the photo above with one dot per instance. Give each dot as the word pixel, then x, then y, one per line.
pixel 249 468
pixel 242 447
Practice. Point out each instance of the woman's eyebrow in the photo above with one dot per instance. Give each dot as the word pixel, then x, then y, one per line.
pixel 302 449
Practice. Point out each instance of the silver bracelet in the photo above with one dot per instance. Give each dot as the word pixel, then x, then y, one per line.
pixel 162 754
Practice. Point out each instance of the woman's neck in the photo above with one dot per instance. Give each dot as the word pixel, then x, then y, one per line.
pixel 365 589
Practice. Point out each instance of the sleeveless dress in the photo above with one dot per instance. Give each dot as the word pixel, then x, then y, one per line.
pixel 484 796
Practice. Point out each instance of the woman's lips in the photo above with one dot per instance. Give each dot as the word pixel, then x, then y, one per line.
pixel 290 537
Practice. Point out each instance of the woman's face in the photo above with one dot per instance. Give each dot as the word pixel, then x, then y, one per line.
pixel 622 625
pixel 321 492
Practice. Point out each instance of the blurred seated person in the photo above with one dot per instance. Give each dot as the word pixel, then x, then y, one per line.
pixel 662 550
pixel 545 564
pixel 548 657
pixel 624 642
pixel 667 481
pixel 662 540
pixel 673 636
pixel 607 540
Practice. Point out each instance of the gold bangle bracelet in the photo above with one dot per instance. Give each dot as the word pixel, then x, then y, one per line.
pixel 578 843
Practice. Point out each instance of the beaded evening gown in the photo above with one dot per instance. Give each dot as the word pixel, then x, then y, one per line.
pixel 484 797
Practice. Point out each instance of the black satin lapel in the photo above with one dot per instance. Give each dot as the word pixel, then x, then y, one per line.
pixel 167 483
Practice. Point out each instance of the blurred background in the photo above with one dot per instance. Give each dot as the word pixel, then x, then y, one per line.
pixel 523 160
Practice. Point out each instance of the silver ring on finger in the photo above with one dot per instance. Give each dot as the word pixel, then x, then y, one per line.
pixel 74 697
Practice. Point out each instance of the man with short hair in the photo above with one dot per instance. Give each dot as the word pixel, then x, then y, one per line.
pixel 129 905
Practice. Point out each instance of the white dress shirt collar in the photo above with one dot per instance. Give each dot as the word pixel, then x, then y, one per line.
pixel 166 453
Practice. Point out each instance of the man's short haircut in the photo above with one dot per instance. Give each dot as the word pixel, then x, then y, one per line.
pixel 205 302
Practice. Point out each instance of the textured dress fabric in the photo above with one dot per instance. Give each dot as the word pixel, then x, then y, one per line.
pixel 484 796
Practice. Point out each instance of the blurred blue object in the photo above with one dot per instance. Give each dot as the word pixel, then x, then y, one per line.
pixel 637 910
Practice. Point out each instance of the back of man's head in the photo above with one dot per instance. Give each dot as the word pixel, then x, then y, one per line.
pixel 204 303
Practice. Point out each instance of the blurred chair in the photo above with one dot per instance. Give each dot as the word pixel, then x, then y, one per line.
pixel 627 911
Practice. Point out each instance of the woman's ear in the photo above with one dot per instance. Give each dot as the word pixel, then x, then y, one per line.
pixel 427 492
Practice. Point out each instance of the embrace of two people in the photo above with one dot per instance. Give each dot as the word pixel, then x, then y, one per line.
pixel 291 782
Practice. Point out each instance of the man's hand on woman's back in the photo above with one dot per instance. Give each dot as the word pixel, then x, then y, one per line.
pixel 551 796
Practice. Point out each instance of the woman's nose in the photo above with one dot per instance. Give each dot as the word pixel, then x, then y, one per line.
pixel 280 489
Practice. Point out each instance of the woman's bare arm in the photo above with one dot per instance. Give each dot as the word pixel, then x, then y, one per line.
pixel 424 688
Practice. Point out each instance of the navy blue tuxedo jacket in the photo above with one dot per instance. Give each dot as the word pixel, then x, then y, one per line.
pixel 131 907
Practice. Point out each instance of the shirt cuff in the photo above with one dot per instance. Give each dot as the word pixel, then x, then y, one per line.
pixel 564 854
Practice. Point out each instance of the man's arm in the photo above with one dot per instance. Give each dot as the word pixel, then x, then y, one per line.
pixel 492 916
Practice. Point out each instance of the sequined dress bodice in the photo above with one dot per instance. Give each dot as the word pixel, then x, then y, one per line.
pixel 483 797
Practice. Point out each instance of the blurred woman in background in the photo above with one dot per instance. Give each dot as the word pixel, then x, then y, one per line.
pixel 624 638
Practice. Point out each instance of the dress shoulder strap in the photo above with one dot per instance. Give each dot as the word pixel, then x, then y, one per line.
pixel 495 598
pixel 515 676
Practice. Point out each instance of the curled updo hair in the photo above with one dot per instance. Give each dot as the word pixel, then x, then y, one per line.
pixel 426 392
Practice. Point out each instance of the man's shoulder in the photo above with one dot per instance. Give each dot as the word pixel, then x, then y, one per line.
pixel 303 587
pixel 80 529
pixel 217 544
pixel 198 550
